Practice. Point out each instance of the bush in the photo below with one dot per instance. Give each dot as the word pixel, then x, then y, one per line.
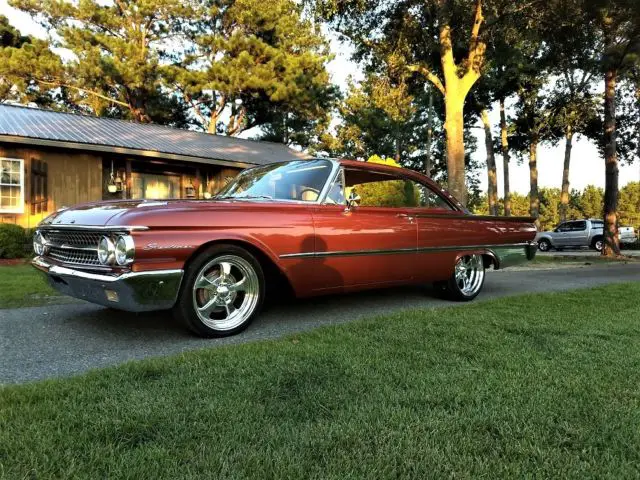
pixel 13 239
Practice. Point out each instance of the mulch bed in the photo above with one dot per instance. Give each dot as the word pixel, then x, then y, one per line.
pixel 5 262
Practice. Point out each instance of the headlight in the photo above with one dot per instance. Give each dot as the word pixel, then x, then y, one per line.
pixel 106 251
pixel 40 246
pixel 124 250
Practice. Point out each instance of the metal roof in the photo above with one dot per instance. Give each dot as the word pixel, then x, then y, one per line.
pixel 34 126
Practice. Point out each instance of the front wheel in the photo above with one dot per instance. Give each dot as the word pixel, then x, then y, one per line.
pixel 222 292
pixel 467 280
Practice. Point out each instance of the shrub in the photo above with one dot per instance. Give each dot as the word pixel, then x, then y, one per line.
pixel 13 239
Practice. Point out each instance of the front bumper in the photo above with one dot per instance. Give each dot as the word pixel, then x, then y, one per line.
pixel 133 292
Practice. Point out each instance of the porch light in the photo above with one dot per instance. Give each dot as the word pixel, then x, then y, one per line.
pixel 119 182
pixel 190 190
pixel 112 187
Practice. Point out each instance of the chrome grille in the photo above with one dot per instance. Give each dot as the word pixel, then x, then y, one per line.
pixel 74 256
pixel 73 246
pixel 73 238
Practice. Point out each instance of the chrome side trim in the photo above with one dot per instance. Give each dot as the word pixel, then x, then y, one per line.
pixel 335 172
pixel 107 228
pixel 351 253
pixel 330 179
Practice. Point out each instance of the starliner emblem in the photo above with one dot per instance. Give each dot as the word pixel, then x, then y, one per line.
pixel 155 246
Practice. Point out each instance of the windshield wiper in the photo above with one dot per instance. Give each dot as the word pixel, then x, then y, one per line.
pixel 239 197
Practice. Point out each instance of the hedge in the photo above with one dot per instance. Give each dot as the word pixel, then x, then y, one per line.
pixel 15 241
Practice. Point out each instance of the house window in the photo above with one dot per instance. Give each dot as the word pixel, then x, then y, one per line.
pixel 11 185
pixel 39 197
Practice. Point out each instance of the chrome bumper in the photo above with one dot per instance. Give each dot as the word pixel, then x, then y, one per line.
pixel 133 292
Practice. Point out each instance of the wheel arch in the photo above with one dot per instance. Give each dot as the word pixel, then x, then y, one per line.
pixel 489 257
pixel 275 275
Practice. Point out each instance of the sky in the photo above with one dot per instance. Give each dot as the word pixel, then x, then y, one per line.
pixel 587 165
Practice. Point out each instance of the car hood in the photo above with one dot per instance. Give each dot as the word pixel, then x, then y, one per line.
pixel 152 212
pixel 100 213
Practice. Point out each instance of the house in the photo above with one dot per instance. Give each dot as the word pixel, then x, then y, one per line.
pixel 50 160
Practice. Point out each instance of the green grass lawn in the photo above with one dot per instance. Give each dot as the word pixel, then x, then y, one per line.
pixel 23 286
pixel 542 386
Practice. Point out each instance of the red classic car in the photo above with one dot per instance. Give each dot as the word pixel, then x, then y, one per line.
pixel 316 226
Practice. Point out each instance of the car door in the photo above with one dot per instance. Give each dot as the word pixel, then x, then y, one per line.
pixel 560 235
pixel 371 244
pixel 576 233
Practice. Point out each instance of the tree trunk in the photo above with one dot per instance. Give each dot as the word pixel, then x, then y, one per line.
pixel 504 140
pixel 564 195
pixel 454 127
pixel 534 199
pixel 427 159
pixel 213 123
pixel 137 106
pixel 611 240
pixel 492 176
pixel 398 148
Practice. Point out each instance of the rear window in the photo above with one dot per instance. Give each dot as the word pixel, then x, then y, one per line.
pixel 597 224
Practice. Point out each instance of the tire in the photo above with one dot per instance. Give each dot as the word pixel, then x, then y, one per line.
pixel 467 280
pixel 222 292
pixel 597 243
pixel 544 245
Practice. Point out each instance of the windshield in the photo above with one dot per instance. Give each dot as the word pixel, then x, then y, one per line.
pixel 301 180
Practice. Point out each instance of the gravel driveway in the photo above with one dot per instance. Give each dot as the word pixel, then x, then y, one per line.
pixel 61 340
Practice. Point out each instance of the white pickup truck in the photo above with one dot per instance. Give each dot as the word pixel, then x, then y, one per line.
pixel 580 233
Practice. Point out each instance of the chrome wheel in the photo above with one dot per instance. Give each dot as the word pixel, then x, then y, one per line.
pixel 226 292
pixel 469 274
pixel 544 245
pixel 599 245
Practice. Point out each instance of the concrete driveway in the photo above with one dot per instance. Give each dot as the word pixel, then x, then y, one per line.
pixel 62 340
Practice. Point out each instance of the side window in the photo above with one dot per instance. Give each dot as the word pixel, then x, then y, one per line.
pixel 563 227
pixel 430 199
pixel 578 226
pixel 383 190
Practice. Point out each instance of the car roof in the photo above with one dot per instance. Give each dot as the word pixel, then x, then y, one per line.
pixel 391 169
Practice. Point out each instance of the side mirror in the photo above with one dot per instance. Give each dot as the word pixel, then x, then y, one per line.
pixel 353 201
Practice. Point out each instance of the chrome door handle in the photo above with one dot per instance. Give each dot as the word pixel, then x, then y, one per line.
pixel 407 216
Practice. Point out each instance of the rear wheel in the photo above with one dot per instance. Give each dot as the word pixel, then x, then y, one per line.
pixel 222 292
pixel 544 245
pixel 597 244
pixel 467 280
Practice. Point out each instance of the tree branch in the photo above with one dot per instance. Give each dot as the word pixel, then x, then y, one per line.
pixel 196 107
pixel 429 75
pixel 84 90
pixel 474 44
pixel 235 126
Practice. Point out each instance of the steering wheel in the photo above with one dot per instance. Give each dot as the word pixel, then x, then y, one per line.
pixel 309 194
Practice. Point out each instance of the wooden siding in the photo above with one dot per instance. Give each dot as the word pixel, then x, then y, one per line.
pixel 75 177
pixel 72 178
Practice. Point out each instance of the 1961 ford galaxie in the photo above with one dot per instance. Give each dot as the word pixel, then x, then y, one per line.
pixel 314 226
